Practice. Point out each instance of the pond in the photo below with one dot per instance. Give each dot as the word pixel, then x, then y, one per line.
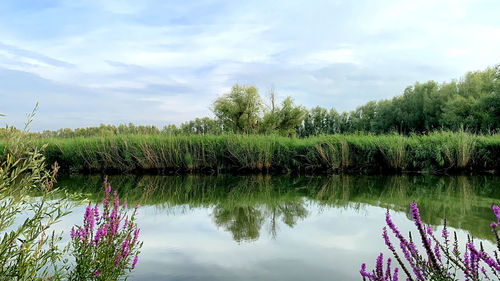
pixel 283 227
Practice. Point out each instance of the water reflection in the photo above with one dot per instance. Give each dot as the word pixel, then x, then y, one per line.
pixel 246 206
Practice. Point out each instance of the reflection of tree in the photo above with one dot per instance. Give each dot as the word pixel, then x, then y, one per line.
pixel 289 212
pixel 246 204
pixel 244 222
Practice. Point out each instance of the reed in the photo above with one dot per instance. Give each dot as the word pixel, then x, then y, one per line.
pixel 436 152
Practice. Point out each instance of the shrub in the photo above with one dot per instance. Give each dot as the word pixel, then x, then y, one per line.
pixel 28 251
pixel 106 247
pixel 442 260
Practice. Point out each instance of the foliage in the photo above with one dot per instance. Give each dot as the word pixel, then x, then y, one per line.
pixel 28 251
pixel 283 120
pixel 106 246
pixel 442 260
pixel 437 152
pixel 239 110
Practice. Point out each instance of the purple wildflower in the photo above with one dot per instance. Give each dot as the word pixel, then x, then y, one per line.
pixel 379 270
pixel 496 210
pixel 388 269
pixel 136 259
pixel 101 237
pixel 118 258
pixel 445 233
pixel 117 200
pixel 395 276
pixel 437 252
pixel 493 226
pixel 420 226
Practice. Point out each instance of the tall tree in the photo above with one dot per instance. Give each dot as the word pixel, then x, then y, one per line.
pixel 239 111
pixel 284 119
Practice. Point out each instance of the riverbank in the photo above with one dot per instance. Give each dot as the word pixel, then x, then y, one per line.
pixel 440 152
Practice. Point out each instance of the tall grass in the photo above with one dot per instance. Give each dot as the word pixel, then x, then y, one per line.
pixel 437 152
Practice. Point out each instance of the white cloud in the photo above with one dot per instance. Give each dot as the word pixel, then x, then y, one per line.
pixel 327 57
pixel 334 54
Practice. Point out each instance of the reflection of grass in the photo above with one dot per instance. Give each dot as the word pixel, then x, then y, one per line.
pixel 244 204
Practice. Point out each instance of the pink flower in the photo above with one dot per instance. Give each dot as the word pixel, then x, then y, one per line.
pixel 134 262
pixel 496 210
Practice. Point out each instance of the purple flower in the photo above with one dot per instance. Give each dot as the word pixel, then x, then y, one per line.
pixel 395 276
pixel 101 238
pixel 118 257
pixel 117 200
pixel 496 210
pixel 125 245
pixel 437 252
pixel 493 226
pixel 135 261
pixel 415 213
pixel 388 269
pixel 379 270
pixel 136 235
pixel 445 234
pixel 96 212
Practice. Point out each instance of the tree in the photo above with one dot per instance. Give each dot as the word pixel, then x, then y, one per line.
pixel 457 113
pixel 239 111
pixel 284 119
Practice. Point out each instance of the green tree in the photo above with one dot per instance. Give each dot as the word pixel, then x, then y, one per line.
pixel 284 119
pixel 457 113
pixel 239 111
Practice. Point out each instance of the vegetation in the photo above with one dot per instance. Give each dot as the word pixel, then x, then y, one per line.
pixel 438 152
pixel 442 259
pixel 106 247
pixel 470 104
pixel 431 127
pixel 29 249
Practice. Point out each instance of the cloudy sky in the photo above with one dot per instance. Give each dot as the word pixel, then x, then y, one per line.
pixel 159 62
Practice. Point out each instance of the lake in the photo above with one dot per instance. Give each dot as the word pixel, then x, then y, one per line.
pixel 283 227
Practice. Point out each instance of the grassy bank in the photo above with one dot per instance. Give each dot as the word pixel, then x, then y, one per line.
pixel 437 152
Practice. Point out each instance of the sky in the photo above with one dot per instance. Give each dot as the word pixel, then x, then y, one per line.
pixel 159 62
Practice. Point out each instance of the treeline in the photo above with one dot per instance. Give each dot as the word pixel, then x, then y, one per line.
pixel 471 104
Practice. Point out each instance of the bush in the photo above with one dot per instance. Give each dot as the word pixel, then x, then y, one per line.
pixel 106 247
pixel 442 260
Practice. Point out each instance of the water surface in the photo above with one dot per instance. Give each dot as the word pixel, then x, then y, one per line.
pixel 283 227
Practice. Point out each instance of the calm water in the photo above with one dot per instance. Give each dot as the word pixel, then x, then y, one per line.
pixel 283 228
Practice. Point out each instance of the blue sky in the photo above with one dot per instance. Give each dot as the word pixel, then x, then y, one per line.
pixel 160 62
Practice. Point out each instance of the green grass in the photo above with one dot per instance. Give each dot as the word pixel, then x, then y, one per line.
pixel 436 152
